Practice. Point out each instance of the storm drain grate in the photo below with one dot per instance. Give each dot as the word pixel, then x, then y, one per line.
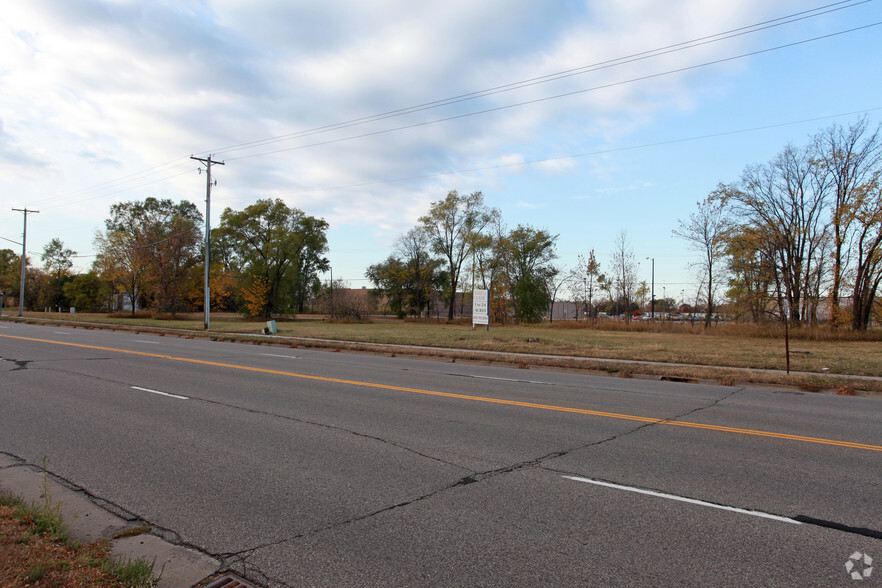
pixel 230 581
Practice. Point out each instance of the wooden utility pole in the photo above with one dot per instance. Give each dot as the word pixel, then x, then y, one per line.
pixel 24 256
pixel 207 293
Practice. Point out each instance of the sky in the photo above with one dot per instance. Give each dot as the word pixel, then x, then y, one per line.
pixel 584 118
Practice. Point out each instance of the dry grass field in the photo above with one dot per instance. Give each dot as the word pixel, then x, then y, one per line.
pixel 725 345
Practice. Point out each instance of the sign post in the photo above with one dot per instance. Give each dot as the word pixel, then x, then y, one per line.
pixel 480 308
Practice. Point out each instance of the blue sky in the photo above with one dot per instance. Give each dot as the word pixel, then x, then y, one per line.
pixel 104 101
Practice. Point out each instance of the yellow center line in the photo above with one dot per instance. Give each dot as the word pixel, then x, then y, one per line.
pixel 584 411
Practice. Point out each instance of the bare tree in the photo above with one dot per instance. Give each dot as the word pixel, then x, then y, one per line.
pixel 867 244
pixel 849 157
pixel 783 201
pixel 705 230
pixel 584 281
pixel 624 268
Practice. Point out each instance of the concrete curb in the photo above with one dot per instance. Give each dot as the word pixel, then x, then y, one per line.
pixel 87 521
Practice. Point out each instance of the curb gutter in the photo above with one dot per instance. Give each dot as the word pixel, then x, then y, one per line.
pixel 87 521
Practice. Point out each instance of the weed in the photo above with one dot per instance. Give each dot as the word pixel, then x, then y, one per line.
pixel 132 532
pixel 846 391
pixel 134 573
pixel 36 572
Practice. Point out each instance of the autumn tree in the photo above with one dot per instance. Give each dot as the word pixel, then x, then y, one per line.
pixel 583 282
pixel 149 250
pixel 850 157
pixel 410 276
pixel 866 211
pixel 783 201
pixel 751 269
pixel 281 245
pixel 455 227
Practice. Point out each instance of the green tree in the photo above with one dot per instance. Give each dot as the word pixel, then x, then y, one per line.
pixel 455 228
pixel 390 280
pixel 281 245
pixel 57 268
pixel 409 277
pixel 527 255
pixel 88 292
pixel 10 272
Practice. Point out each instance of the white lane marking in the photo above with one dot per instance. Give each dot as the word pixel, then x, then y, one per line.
pixel 683 499
pixel 4 327
pixel 507 380
pixel 148 342
pixel 285 356
pixel 61 332
pixel 160 393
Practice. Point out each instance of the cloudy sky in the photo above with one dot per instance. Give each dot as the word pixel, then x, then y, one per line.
pixel 582 117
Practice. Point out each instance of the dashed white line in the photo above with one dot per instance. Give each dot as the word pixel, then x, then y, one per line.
pixel 160 393
pixel 754 513
pixel 285 356
pixel 148 342
pixel 507 380
pixel 61 332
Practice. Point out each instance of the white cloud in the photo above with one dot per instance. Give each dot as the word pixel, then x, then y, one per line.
pixel 94 90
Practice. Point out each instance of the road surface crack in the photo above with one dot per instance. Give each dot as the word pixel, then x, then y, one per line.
pixel 640 428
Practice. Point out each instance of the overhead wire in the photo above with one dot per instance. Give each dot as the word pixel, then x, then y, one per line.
pixel 556 96
pixel 756 27
pixel 780 21
pixel 579 155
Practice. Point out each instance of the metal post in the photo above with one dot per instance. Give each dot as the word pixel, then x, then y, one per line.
pixel 24 258
pixel 652 293
pixel 207 289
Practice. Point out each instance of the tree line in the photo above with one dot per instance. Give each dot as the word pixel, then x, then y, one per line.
pixel 798 238
pixel 265 260
pixel 461 243
pixel 797 234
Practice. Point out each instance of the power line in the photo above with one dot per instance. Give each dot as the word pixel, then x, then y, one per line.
pixel 11 241
pixel 788 19
pixel 556 96
pixel 580 155
pixel 756 27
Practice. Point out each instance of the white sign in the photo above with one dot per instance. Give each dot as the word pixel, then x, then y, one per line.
pixel 480 307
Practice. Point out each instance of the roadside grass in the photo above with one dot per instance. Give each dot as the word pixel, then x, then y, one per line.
pixel 819 350
pixel 36 550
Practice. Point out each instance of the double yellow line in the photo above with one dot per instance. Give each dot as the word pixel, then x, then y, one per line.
pixel 597 413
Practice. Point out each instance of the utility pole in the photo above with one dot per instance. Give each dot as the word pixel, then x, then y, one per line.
pixel 207 163
pixel 24 256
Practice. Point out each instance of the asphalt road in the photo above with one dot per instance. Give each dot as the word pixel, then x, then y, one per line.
pixel 312 468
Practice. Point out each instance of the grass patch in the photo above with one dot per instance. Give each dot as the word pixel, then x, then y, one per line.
pixel 822 350
pixel 35 548
pixel 133 573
